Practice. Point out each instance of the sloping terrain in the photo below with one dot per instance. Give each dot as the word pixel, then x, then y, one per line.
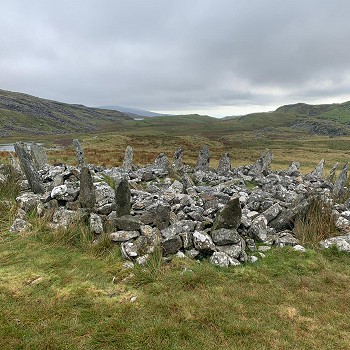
pixel 26 114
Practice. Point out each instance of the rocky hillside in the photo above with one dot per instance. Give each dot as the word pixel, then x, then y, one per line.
pixel 26 114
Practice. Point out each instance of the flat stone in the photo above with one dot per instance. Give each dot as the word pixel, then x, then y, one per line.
pixel 225 236
pixel 123 236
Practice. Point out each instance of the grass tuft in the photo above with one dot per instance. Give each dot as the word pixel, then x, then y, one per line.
pixel 317 224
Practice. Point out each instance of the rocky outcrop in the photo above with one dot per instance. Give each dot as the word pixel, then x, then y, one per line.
pixel 216 216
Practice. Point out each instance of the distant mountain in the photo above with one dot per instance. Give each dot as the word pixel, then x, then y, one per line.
pixel 25 114
pixel 133 111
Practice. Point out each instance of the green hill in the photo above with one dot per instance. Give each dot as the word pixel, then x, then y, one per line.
pixel 26 114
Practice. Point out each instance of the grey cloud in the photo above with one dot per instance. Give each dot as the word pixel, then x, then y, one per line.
pixel 162 54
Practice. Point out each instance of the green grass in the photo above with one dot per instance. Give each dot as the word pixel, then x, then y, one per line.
pixel 53 296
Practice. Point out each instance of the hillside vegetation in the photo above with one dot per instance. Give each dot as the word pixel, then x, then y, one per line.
pixel 22 114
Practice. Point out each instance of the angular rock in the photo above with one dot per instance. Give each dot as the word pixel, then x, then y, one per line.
pixel 79 153
pixel 258 229
pixel 220 259
pixel 128 223
pixel 19 225
pixel 171 245
pixel 272 212
pixel 341 242
pixel 233 250
pixel 123 198
pixel 28 201
pixel 224 164
pixel 128 157
pixel 123 236
pixel 318 171
pixel 263 163
pixel 162 217
pixel 178 227
pixel 87 197
pixel 67 192
pixel 203 159
pixel 96 225
pixel 224 236
pixel 62 218
pixel 341 181
pixel 177 159
pixel 161 163
pixel 286 238
pixel 293 169
pixel 39 156
pixel 230 216
pixel 28 167
pixel 203 242
pixel 331 176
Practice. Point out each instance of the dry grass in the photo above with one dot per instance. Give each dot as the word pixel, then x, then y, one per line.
pixel 317 224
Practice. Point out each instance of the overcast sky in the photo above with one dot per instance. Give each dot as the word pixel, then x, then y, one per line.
pixel 217 57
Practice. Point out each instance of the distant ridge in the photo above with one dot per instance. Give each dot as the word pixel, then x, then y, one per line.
pixel 133 111
pixel 25 114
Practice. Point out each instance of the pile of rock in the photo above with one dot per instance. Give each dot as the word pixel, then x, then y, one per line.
pixel 199 212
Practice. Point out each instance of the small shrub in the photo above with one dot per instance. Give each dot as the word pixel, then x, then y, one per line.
pixel 317 224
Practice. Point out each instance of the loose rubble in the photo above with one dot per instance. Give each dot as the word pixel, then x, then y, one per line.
pixel 196 213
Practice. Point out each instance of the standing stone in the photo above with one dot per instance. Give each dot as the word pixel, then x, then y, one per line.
pixel 342 179
pixel 39 155
pixel 123 198
pixel 230 216
pixel 331 176
pixel 203 159
pixel 128 156
pixel 318 171
pixel 27 165
pixel 162 219
pixel 263 163
pixel 161 162
pixel 293 169
pixel 79 153
pixel 224 165
pixel 87 196
pixel 177 159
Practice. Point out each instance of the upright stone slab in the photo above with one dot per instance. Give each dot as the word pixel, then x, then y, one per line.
pixel 87 196
pixel 28 167
pixel 224 164
pixel 79 153
pixel 161 163
pixel 331 176
pixel 39 155
pixel 293 169
pixel 342 179
pixel 177 159
pixel 263 163
pixel 230 216
pixel 203 159
pixel 128 157
pixel 123 198
pixel 318 171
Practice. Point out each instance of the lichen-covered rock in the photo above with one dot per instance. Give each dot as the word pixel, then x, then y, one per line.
pixel 96 225
pixel 19 225
pixel 341 242
pixel 87 197
pixel 224 236
pixel 28 201
pixel 203 242
pixel 123 236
